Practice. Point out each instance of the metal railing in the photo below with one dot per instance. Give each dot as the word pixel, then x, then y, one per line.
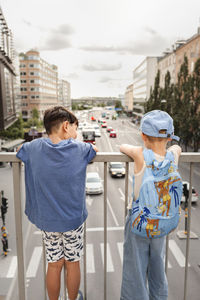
pixel 101 157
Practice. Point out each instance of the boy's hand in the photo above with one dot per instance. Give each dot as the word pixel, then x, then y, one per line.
pixel 19 147
pixel 95 148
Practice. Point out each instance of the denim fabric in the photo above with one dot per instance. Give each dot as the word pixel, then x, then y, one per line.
pixel 143 276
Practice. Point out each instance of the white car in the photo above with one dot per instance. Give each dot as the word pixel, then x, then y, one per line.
pixel 116 169
pixel 93 183
pixel 97 133
pixel 195 196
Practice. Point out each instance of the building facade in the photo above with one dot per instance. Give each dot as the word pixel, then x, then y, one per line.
pixel 39 83
pixel 64 93
pixel 143 79
pixel 191 49
pixel 167 63
pixel 7 75
pixel 128 101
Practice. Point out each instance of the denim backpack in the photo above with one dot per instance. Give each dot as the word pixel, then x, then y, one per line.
pixel 156 211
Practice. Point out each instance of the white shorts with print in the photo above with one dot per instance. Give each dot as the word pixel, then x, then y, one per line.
pixel 67 244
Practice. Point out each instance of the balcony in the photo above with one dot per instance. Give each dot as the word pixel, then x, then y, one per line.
pixel 102 158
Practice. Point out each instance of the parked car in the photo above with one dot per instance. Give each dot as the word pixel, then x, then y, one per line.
pixel 93 183
pixel 116 169
pixel 109 129
pixel 104 125
pixel 113 134
pixel 195 196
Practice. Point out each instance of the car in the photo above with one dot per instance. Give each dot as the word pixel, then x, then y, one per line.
pixel 103 125
pixel 195 196
pixel 97 133
pixel 93 183
pixel 109 129
pixel 113 134
pixel 116 169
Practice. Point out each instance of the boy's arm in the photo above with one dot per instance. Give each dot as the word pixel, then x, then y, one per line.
pixel 136 154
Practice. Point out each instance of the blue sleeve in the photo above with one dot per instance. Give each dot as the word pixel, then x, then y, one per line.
pixel 89 152
pixel 23 152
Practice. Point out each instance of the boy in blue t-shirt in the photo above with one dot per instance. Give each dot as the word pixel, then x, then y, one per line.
pixel 55 171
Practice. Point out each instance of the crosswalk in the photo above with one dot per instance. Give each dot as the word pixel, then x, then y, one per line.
pixel 176 258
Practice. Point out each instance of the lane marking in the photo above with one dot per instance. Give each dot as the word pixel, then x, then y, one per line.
pixel 110 267
pixel 90 258
pixel 176 251
pixel 112 213
pixel 89 200
pixel 12 268
pixel 99 229
pixel 122 194
pixel 120 249
pixel 109 144
pixel 34 262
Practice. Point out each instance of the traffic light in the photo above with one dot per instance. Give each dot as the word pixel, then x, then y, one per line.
pixel 4 204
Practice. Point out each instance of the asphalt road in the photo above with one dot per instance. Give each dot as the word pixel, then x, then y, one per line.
pixel 126 133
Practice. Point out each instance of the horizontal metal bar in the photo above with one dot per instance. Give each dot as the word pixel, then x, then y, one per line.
pixel 108 157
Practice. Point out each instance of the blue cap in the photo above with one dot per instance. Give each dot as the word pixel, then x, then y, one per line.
pixel 157 121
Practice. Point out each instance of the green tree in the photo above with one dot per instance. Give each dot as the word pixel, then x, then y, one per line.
pixel 154 101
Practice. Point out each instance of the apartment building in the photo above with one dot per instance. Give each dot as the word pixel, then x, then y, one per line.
pixel 64 93
pixel 128 101
pixel 39 83
pixel 143 79
pixel 191 49
pixel 165 64
pixel 7 75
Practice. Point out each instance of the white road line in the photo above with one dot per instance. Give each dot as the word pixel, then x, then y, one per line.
pixel 97 229
pixel 13 267
pixel 90 258
pixel 120 249
pixel 109 144
pixel 110 267
pixel 122 194
pixel 112 213
pixel 177 253
pixel 34 262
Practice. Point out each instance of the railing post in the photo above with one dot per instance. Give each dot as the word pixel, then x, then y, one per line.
pixel 166 253
pixel 105 229
pixel 188 232
pixel 126 188
pixel 19 231
pixel 85 263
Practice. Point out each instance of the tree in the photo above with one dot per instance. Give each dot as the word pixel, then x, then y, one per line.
pixel 154 101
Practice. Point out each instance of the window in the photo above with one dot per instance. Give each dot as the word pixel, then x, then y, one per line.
pixel 23 73
pixel 23 89
pixel 23 81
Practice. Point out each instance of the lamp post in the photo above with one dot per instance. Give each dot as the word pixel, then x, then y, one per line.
pixel 163 104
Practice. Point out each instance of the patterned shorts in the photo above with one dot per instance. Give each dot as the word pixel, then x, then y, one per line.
pixel 64 244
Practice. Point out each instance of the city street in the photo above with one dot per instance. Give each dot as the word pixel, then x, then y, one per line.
pixel 128 133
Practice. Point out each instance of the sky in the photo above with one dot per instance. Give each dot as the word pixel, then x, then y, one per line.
pixel 96 44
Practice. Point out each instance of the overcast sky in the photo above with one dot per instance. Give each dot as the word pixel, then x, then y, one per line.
pixel 96 44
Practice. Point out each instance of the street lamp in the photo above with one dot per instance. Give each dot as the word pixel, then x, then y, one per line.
pixel 163 102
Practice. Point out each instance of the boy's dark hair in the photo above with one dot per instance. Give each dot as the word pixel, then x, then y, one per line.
pixel 56 115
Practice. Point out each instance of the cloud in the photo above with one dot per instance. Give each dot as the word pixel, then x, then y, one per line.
pixel 105 79
pixel 64 29
pixel 101 67
pixel 149 42
pixel 56 42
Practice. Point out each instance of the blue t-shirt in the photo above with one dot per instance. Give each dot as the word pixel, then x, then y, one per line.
pixel 55 182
